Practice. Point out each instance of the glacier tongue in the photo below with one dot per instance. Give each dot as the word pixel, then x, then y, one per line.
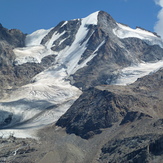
pixel 38 104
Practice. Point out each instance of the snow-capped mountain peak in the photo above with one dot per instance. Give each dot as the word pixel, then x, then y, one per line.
pixel 86 52
pixel 91 19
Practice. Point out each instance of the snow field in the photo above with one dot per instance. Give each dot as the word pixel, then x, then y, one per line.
pixel 123 31
pixel 130 74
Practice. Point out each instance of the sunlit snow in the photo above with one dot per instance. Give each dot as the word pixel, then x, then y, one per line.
pixel 123 31
pixel 36 37
pixel 130 74
pixel 92 18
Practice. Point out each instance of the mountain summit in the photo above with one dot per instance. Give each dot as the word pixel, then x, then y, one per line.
pixel 91 78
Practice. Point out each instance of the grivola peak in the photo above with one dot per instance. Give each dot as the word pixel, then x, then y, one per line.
pixel 87 90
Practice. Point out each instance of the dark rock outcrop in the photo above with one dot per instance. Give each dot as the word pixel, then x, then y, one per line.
pixel 134 149
pixel 13 37
pixel 69 30
pixel 133 116
pixel 9 39
pixel 101 107
pixel 88 115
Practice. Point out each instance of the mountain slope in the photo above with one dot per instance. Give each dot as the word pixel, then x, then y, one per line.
pixel 71 75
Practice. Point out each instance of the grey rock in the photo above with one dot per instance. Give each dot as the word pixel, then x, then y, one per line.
pixel 137 149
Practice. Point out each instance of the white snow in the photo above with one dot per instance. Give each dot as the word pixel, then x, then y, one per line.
pixel 30 54
pixel 64 23
pixel 19 133
pixel 131 74
pixel 138 32
pixel 39 103
pixel 36 37
pixel 123 31
pixel 92 18
pixel 55 36
pixel 84 63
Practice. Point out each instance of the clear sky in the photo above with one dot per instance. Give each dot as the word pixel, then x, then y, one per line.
pixel 31 15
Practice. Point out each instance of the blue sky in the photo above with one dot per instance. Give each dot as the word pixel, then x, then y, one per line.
pixel 30 15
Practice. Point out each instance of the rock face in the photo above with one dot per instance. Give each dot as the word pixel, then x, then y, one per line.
pixel 88 115
pixel 97 109
pixel 149 146
pixel 9 39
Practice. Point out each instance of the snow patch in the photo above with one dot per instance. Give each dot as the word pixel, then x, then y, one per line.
pixel 130 74
pixel 85 62
pixel 92 18
pixel 55 36
pixel 64 23
pixel 123 31
pixel 32 54
pixel 70 56
pixel 36 37
pixel 23 133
